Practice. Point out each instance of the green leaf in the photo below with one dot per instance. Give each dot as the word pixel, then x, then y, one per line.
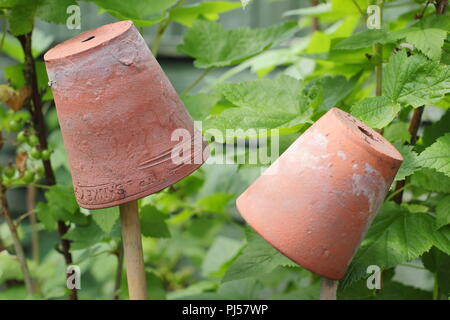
pixel 437 156
pixel 397 131
pixel 62 197
pixel 439 263
pixel 435 21
pixel 106 218
pixel 428 41
pixel 437 129
pixel 9 267
pixel 84 236
pixel 16 78
pixel 197 288
pixel 391 290
pixel 342 11
pixel 12 48
pixel 216 202
pixel 415 80
pixel 363 39
pixel 200 105
pixel 143 13
pixel 311 292
pixel 265 93
pixel 222 251
pixel 395 236
pixel 377 112
pixel 61 205
pixel 181 217
pixel 245 289
pixel 415 208
pixel 329 91
pixel 212 46
pixel 209 10
pixel 262 104
pixel 310 11
pixel 7 3
pixel 153 222
pixel 21 17
pixel 155 286
pixel 410 163
pixel 257 258
pixel 45 216
pixel 54 10
pixel 319 43
pixel 431 180
pixel 445 57
pixel 443 212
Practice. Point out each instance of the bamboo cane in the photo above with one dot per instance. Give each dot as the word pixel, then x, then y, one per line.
pixel 133 254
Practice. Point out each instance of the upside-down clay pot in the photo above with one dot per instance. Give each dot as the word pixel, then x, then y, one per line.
pixel 126 132
pixel 316 201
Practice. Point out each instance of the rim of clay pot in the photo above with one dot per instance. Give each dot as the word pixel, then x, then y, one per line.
pixel 88 40
pixel 360 132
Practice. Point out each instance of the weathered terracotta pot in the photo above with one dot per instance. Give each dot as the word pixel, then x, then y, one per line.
pixel 117 112
pixel 315 203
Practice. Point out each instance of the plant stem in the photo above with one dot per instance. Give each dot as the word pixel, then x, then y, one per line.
pixel 393 194
pixel 31 202
pixel 197 81
pixel 315 20
pixel 162 27
pixel 36 105
pixel 39 125
pixel 328 289
pixel 5 26
pixel 441 6
pixel 436 288
pixel 378 52
pixel 17 244
pixel 118 280
pixel 413 128
pixel 422 12
pixel 358 8
pixel 415 124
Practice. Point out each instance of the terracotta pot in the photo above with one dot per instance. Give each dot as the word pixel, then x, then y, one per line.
pixel 315 203
pixel 117 111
